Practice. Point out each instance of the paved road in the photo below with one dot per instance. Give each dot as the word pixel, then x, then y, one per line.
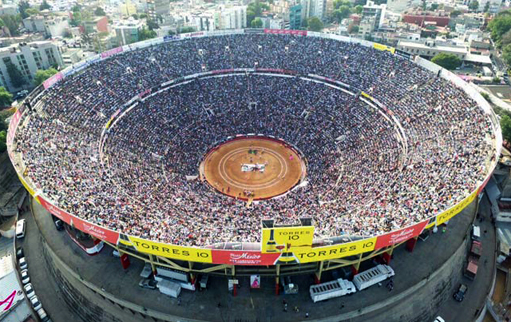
pixel 478 288
pixel 105 271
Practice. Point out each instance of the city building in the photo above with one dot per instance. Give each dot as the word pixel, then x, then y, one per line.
pixel 419 17
pixel 71 55
pixel 157 8
pixel 377 12
pixel 28 58
pixel 99 24
pixel 8 9
pixel 231 17
pixel 295 17
pixel 127 31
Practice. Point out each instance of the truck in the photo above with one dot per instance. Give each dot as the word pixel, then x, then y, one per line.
pixel 472 266
pixel 328 290
pixel 372 276
pixel 476 249
pixel 169 288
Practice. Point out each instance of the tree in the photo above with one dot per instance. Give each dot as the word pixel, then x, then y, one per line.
pixel 341 13
pixel 3 141
pixel 505 125
pixel 434 6
pixel 152 25
pixel 506 54
pixel 15 75
pixel 474 5
pixel 256 23
pixel 5 99
pixel 12 23
pixel 135 16
pixel 32 11
pixel 487 6
pixel 447 61
pixel 142 15
pixel 500 25
pixel 144 34
pixel 354 30
pixel 99 12
pixel 455 13
pixel 184 30
pixel 42 75
pixel 359 9
pixel 315 24
pixel 44 6
pixel 22 7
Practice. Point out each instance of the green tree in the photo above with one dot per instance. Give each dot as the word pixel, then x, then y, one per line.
pixel 15 75
pixel 3 141
pixel 455 13
pixel 152 25
pixel 315 24
pixel 256 23
pixel 76 19
pixel 339 3
pixel 12 23
pixel 447 61
pixel 505 125
pixel 434 6
pixel 144 34
pixel 22 7
pixel 5 99
pixel 474 5
pixel 184 30
pixel 142 15
pixel 341 13
pixel 99 12
pixel 135 16
pixel 487 6
pixel 44 6
pixel 32 11
pixel 354 30
pixel 500 25
pixel 359 9
pixel 42 75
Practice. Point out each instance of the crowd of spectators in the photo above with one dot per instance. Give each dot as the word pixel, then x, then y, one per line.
pixel 365 176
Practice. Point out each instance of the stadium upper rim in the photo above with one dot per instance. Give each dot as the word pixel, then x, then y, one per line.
pixel 104 233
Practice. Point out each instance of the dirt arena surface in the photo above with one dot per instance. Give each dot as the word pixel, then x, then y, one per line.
pixel 253 168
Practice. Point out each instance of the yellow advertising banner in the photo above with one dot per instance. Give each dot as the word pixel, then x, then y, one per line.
pixel 25 184
pixel 366 95
pixel 170 251
pixel 336 251
pixel 448 214
pixel 286 239
pixel 383 47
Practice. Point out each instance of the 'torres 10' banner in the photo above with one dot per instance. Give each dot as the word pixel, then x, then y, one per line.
pixel 286 239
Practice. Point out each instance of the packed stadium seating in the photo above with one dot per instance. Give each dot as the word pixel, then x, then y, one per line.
pixel 365 176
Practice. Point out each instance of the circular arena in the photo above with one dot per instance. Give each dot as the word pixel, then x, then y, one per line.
pixel 197 141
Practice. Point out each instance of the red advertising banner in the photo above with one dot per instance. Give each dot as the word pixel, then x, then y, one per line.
pixel 111 52
pixel 400 236
pixel 52 80
pixel 286 32
pixel 484 184
pixel 91 229
pixel 240 257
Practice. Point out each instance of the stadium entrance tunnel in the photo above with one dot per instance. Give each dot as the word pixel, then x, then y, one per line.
pixel 250 167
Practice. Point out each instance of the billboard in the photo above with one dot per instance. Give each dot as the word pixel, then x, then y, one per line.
pixel 171 251
pixel 286 32
pixel 241 257
pixel 52 80
pixel 400 235
pixel 286 239
pixel 80 224
pixel 384 48
pixel 111 52
pixel 451 212
pixel 336 251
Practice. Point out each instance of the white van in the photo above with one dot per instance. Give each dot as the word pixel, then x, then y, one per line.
pixel 20 228
pixel 476 233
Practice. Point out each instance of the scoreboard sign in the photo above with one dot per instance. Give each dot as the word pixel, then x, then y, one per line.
pixel 286 239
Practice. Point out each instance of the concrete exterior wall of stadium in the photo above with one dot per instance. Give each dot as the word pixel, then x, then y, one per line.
pixel 250 254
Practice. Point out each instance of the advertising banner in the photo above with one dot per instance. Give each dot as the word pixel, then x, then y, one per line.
pixel 255 281
pixel 286 239
pixel 400 236
pixel 448 214
pixel 170 38
pixel 336 251
pixel 286 32
pixel 25 184
pixel 12 127
pixel 384 48
pixel 366 95
pixel 240 257
pixel 52 80
pixel 80 224
pixel 170 251
pixel 111 52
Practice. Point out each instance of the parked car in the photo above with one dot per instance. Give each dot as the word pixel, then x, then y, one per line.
pixel 19 252
pixel 21 94
pixel 29 290
pixel 23 263
pixel 460 294
pixel 59 224
pixel 25 279
pixel 439 319
pixel 148 283
pixel 35 303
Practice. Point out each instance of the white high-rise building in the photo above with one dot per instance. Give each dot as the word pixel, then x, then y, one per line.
pixel 231 17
